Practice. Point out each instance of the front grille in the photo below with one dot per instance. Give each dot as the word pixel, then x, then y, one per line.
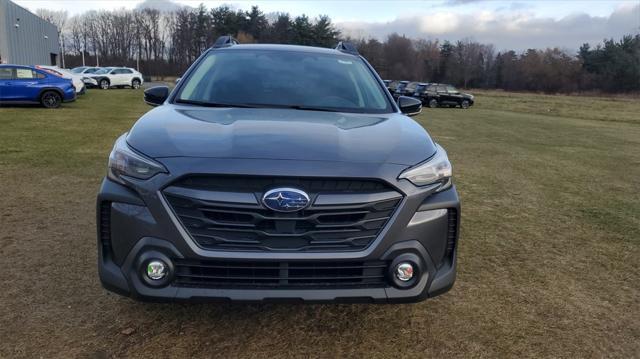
pixel 279 275
pixel 224 213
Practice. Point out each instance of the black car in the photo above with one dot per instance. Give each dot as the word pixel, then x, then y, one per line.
pixel 278 172
pixel 411 89
pixel 435 95
pixel 396 88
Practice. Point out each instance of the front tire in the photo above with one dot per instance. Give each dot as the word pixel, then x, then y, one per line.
pixel 464 104
pixel 135 84
pixel 104 84
pixel 433 103
pixel 50 99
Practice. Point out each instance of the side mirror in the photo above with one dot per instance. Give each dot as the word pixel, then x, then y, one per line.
pixel 409 105
pixel 156 96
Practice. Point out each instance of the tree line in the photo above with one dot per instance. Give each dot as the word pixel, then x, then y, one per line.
pixel 613 66
pixel 165 43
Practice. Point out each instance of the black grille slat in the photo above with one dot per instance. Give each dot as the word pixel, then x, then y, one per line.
pixel 245 227
pixel 279 275
pixel 261 184
pixel 105 228
pixel 451 231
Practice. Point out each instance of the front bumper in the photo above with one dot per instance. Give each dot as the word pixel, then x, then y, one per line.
pixel 135 225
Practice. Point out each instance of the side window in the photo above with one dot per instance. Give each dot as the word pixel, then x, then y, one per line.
pixel 116 72
pixel 24 74
pixel 451 89
pixel 442 89
pixel 6 73
pixel 40 76
pixel 126 71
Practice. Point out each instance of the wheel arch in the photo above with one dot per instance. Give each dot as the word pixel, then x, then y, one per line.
pixel 55 89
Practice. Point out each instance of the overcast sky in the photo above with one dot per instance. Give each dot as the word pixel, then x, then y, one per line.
pixel 507 24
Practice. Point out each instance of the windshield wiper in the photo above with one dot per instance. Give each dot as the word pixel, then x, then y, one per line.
pixel 256 105
pixel 312 108
pixel 297 107
pixel 214 104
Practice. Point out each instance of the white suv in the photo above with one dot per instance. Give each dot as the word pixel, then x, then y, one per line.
pixel 117 77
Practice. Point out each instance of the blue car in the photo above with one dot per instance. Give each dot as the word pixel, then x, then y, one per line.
pixel 27 84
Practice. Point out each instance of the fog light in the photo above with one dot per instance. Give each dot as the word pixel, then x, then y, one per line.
pixel 156 269
pixel 404 271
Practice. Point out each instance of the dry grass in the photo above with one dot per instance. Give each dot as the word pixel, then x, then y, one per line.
pixel 548 258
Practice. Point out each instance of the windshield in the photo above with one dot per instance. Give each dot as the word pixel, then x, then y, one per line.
pixel 302 80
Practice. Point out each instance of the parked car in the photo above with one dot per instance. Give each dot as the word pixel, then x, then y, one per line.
pixel 387 83
pixel 396 88
pixel 87 70
pixel 76 79
pixel 278 172
pixel 434 95
pixel 27 84
pixel 107 77
pixel 410 89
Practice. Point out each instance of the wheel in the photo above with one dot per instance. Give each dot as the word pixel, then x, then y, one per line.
pixel 135 84
pixel 104 84
pixel 433 103
pixel 50 99
pixel 464 104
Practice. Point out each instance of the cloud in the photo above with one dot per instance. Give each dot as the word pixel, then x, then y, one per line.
pixel 461 2
pixel 161 5
pixel 515 29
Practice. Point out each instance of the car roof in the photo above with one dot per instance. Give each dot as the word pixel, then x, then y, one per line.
pixel 22 66
pixel 286 48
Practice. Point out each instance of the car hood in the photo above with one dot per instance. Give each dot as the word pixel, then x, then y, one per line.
pixel 283 134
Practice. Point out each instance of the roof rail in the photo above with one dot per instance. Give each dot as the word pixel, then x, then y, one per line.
pixel 224 41
pixel 345 46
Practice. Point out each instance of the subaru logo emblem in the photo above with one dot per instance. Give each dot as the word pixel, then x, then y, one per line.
pixel 285 199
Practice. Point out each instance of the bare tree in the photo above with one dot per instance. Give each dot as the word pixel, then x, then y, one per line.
pixel 59 19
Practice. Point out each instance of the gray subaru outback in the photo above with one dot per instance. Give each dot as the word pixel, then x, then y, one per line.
pixel 278 173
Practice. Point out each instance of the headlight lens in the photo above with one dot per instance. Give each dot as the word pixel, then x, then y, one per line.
pixel 124 162
pixel 437 170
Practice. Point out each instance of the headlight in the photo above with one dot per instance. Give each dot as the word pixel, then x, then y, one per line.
pixel 124 162
pixel 436 170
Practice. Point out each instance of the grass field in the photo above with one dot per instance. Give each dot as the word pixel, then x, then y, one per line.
pixel 548 260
